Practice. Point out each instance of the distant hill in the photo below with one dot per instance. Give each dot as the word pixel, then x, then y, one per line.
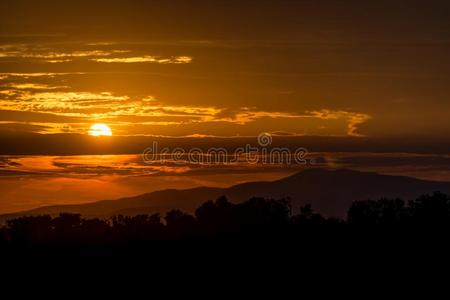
pixel 330 192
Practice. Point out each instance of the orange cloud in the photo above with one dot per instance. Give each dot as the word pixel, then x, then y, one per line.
pixel 124 111
pixel 146 59
pixel 353 119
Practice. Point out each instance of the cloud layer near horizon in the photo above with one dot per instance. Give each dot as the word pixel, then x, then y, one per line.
pixel 28 182
pixel 46 103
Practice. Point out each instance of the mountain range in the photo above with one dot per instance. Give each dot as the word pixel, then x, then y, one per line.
pixel 329 191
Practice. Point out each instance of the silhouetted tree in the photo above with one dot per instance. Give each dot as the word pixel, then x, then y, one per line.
pixel 139 227
pixel 215 217
pixel 259 216
pixel 180 225
pixel 431 210
pixel 94 231
pixel 65 227
pixel 307 216
pixel 30 230
pixel 383 212
pixel 3 237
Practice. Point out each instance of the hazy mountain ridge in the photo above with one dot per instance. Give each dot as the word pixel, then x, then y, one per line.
pixel 330 192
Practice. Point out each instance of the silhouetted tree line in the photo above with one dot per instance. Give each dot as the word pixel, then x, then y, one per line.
pixel 255 219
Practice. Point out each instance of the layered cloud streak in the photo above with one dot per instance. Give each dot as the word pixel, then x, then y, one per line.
pixel 64 100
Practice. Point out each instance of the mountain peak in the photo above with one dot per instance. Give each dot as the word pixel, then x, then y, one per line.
pixel 329 191
pixel 313 172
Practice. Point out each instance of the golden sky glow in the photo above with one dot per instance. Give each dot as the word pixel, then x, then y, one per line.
pixel 335 73
pixel 124 111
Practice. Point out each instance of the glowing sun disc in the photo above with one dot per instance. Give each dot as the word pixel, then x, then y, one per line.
pixel 100 130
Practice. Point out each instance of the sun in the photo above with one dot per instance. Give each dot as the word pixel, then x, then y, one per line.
pixel 100 130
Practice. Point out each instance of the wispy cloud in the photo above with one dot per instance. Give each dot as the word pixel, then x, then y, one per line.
pixel 126 111
pixel 353 118
pixel 147 59
pixel 84 104
pixel 53 56
pixel 34 86
pixel 37 74
pixel 245 115
pixel 45 54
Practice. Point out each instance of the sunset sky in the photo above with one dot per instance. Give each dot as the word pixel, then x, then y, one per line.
pixel 226 68
pixel 350 74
